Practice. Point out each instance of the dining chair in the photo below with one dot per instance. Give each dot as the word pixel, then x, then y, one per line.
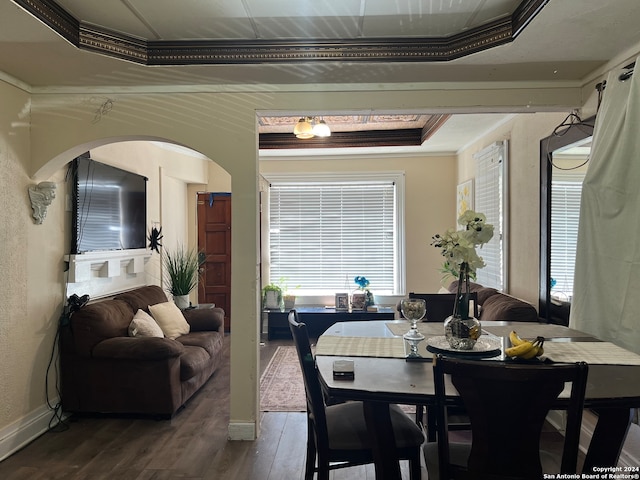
pixel 507 404
pixel 440 305
pixel 337 435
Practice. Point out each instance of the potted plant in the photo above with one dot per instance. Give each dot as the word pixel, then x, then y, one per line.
pixel 181 272
pixel 272 296
pixel 288 295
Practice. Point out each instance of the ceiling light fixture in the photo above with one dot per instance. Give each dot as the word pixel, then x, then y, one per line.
pixel 309 127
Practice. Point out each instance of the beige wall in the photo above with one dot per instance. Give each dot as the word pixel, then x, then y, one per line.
pixel 31 269
pixel 222 126
pixel 524 133
pixel 429 203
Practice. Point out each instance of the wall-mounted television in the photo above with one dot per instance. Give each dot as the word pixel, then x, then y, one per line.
pixel 109 207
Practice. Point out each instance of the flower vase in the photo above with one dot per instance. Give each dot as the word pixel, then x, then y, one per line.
pixel 460 329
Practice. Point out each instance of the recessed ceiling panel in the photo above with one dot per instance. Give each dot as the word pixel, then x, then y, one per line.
pixel 303 8
pixel 196 19
pixel 433 18
pixel 307 27
pixel 113 14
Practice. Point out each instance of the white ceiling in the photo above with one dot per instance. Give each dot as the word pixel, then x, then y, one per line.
pixel 566 42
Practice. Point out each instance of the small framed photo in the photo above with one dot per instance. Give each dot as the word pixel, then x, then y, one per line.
pixel 342 302
pixel 358 301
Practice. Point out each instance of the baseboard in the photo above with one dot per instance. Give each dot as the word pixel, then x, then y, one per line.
pixel 242 431
pixel 24 431
pixel 629 456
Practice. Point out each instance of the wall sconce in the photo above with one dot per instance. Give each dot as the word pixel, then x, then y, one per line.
pixel 309 127
pixel 41 196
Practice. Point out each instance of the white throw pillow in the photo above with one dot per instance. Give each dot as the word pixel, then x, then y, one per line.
pixel 170 319
pixel 143 325
pixel 443 290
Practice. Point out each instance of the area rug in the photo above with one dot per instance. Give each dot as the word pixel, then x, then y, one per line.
pixel 281 384
pixel 282 387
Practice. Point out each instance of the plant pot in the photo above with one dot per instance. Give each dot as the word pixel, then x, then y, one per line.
pixel 289 301
pixel 271 300
pixel 181 301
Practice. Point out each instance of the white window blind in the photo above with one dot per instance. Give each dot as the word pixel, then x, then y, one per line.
pixel 490 199
pixel 565 214
pixel 322 234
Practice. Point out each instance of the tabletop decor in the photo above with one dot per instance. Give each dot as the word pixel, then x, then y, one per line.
pixel 413 309
pixel 462 260
pixel 363 285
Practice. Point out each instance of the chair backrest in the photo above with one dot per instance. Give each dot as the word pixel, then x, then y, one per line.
pixel 507 404
pixel 313 390
pixel 440 305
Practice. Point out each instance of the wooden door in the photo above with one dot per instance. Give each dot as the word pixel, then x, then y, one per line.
pixel 214 239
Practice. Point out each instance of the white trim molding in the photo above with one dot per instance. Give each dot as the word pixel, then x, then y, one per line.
pixel 18 434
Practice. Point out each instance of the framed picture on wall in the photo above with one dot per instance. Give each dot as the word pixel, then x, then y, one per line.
pixel 465 197
pixel 342 302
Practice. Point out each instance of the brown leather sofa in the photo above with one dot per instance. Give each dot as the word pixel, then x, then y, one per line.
pixel 495 305
pixel 104 370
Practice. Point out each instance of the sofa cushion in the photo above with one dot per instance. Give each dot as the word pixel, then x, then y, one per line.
pixel 98 321
pixel 508 308
pixel 170 319
pixel 143 325
pixel 193 361
pixel 141 298
pixel 484 293
pixel 138 349
pixel 209 341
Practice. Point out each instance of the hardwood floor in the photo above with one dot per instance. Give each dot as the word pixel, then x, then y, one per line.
pixel 192 445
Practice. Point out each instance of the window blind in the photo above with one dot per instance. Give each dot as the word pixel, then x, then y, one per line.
pixel 565 215
pixel 324 234
pixel 489 199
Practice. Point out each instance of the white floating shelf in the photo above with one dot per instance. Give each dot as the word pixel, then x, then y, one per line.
pixel 106 264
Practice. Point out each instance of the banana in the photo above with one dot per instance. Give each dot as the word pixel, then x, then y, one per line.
pixel 531 353
pixel 527 349
pixel 519 350
pixel 515 339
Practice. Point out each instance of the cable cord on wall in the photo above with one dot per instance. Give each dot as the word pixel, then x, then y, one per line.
pixel 57 423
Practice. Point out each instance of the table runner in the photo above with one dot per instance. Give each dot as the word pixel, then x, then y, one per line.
pixel 360 346
pixel 605 353
pixel 425 328
pixel 531 331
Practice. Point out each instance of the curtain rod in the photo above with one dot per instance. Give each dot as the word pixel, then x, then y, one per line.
pixel 622 77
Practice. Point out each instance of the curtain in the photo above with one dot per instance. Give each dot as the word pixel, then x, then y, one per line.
pixel 607 274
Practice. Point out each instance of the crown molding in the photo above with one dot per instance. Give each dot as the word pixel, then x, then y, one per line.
pixel 101 40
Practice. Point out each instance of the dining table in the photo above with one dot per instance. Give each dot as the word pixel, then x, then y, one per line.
pixel 386 371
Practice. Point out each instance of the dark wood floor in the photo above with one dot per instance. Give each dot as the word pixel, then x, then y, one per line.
pixel 192 445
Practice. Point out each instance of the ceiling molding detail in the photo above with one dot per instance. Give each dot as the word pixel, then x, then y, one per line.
pixel 368 138
pixel 432 126
pixel 90 37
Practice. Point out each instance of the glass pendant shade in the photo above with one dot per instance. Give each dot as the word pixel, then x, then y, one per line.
pixel 303 129
pixel 321 129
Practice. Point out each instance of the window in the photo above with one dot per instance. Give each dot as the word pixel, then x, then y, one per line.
pixel 565 213
pixel 490 199
pixel 324 231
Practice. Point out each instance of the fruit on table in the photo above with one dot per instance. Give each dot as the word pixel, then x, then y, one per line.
pixel 525 349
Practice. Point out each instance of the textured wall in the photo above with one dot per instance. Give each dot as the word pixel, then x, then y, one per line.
pixel 30 268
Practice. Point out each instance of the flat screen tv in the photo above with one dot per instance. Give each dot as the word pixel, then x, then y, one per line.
pixel 109 207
